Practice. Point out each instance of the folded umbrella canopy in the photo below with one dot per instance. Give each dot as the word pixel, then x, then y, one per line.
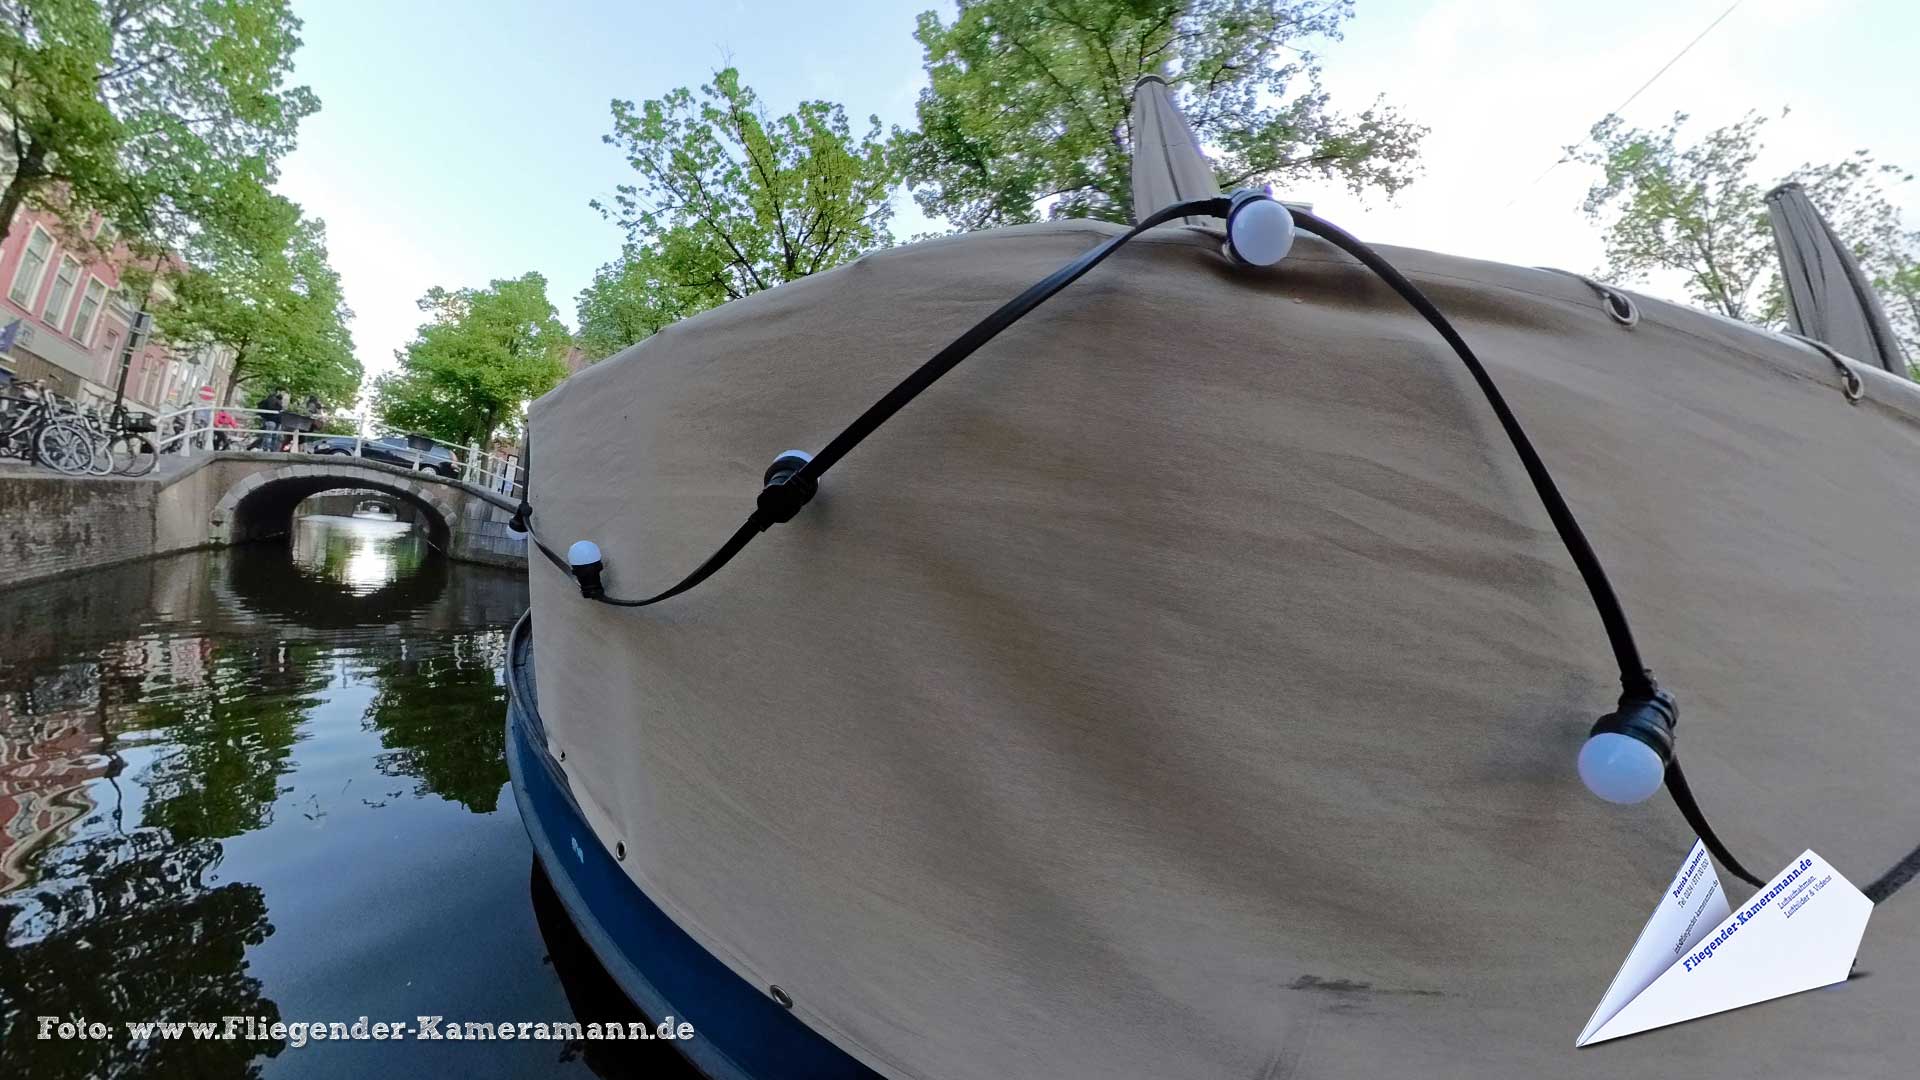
pixel 1829 296
pixel 1168 166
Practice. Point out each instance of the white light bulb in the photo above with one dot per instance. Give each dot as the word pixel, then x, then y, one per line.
pixel 1620 768
pixel 583 553
pixel 1261 232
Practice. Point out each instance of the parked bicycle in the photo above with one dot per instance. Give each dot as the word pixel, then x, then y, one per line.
pixel 123 443
pixel 38 426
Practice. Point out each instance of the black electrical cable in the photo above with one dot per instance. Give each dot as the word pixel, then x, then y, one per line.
pixel 1697 819
pixel 740 538
pixel 772 511
pixel 780 501
pixel 987 328
pixel 1635 680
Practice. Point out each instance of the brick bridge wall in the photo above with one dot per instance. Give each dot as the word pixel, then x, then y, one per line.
pixel 50 525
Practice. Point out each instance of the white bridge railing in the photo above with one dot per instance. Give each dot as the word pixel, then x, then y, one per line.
pixel 193 430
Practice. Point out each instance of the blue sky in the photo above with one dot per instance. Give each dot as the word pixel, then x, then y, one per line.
pixel 461 143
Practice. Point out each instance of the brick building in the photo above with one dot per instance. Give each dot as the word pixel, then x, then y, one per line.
pixel 73 317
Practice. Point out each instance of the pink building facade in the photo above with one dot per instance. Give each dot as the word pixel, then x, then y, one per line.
pixel 74 316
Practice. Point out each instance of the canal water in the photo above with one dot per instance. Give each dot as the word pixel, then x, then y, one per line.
pixel 269 782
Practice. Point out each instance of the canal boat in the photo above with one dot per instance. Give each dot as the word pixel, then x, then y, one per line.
pixel 1200 679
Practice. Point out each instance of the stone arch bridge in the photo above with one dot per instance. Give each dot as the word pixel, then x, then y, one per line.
pixel 230 497
pixel 251 496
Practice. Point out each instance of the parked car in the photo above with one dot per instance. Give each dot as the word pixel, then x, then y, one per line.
pixel 394 450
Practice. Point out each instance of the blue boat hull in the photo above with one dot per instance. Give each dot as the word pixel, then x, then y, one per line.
pixel 741 1033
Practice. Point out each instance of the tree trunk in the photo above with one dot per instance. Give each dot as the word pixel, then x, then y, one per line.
pixel 27 177
pixel 486 432
pixel 233 379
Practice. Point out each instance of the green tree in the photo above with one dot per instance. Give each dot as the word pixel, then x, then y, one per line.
pixel 1699 210
pixel 142 109
pixel 635 297
pixel 1031 102
pixel 471 370
pixel 730 201
pixel 260 285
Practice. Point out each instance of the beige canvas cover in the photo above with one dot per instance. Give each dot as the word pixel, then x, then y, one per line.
pixel 1189 685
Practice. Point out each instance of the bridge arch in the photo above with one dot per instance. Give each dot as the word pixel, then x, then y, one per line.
pixel 260 506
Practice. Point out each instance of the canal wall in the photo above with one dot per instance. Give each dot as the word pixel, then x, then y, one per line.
pixel 52 524
pixel 49 525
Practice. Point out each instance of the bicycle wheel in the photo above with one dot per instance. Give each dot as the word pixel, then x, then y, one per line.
pixel 102 463
pixel 65 446
pixel 134 455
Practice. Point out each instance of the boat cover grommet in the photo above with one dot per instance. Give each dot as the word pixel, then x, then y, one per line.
pixel 1850 383
pixel 1618 305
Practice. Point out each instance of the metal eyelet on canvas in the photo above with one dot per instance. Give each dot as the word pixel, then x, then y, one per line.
pixel 1621 307
pixel 1851 384
pixel 781 996
pixel 1854 389
pixel 620 850
pixel 1618 305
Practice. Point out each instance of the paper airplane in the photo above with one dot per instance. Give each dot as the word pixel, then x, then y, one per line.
pixel 1696 956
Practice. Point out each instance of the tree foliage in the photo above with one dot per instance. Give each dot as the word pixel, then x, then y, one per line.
pixel 1698 209
pixel 143 110
pixel 1032 102
pixel 470 371
pixel 635 297
pixel 730 201
pixel 259 284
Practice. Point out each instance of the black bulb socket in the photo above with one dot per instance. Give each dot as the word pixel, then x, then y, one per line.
pixel 1649 718
pixel 588 575
pixel 787 489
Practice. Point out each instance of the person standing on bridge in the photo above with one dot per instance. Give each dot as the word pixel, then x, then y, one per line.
pixel 271 407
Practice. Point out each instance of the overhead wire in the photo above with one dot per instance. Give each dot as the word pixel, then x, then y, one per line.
pixel 1618 109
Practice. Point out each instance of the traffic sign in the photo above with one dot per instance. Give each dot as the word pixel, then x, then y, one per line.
pixel 206 393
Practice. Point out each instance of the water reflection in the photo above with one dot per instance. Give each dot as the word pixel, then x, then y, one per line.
pixel 595 997
pixel 424 711
pixel 131 926
pixel 219 755
pixel 361 554
pixel 265 781
pixel 346 573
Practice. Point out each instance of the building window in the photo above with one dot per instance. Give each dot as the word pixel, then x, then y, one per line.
pixel 33 263
pixel 107 235
pixel 62 292
pixel 89 308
